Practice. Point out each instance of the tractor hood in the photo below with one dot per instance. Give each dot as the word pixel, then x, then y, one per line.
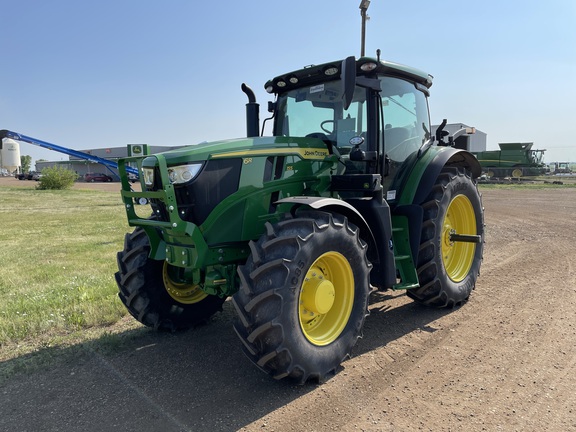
pixel 305 148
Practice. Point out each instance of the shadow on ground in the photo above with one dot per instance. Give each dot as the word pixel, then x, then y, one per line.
pixel 142 380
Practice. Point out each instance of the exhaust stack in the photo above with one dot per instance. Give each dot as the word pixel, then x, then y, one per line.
pixel 252 113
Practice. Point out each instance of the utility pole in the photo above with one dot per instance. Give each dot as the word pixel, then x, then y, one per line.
pixel 363 8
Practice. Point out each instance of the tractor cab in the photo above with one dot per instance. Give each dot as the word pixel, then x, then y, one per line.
pixel 372 114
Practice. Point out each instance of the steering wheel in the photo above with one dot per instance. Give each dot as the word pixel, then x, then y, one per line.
pixel 319 135
pixel 329 143
pixel 329 132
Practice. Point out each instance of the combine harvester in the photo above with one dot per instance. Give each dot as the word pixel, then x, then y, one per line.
pixel 515 160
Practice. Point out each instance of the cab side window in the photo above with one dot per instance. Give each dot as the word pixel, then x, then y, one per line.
pixel 406 122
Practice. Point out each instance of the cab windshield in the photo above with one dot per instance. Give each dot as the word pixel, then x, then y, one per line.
pixel 318 112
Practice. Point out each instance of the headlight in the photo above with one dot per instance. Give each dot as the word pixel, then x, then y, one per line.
pixel 148 174
pixel 183 173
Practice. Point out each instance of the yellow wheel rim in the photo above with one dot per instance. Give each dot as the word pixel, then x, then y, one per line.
pixel 182 292
pixel 458 257
pixel 326 298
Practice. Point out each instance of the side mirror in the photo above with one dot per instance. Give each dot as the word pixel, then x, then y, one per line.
pixel 348 77
pixel 440 132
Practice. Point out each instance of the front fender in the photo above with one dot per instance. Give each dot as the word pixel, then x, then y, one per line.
pixel 336 206
pixel 339 206
pixel 373 219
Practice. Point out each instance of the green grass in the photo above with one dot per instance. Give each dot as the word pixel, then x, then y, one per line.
pixel 58 254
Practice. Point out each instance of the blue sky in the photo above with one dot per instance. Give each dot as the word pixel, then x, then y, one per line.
pixel 108 73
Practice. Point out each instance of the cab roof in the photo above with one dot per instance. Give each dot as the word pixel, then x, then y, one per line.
pixel 313 74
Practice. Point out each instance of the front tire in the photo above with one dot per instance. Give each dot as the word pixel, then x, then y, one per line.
pixel 303 297
pixel 152 293
pixel 448 270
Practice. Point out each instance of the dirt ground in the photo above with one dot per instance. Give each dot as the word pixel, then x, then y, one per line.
pixel 506 360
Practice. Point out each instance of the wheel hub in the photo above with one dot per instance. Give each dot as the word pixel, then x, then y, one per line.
pixel 182 292
pixel 326 298
pixel 317 293
pixel 448 232
pixel 459 223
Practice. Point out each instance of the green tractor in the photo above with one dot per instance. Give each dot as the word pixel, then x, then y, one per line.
pixel 351 193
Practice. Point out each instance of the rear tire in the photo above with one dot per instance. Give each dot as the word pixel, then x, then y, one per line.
pixel 153 295
pixel 303 297
pixel 447 271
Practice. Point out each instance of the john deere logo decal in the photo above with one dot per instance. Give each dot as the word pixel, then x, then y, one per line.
pixel 136 149
pixel 304 153
pixel 316 153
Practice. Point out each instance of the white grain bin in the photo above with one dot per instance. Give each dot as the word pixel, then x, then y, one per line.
pixel 10 155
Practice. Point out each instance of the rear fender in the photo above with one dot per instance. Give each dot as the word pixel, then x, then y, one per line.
pixel 426 171
pixel 419 183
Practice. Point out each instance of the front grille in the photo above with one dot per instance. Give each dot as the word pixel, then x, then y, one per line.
pixel 218 179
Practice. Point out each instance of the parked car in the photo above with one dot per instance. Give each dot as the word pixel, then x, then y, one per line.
pixel 94 177
pixel 27 175
pixel 37 176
